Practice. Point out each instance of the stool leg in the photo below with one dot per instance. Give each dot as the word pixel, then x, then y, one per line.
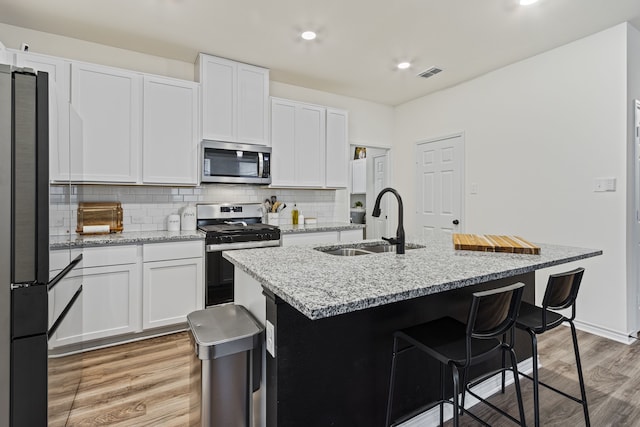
pixel 392 381
pixel 463 384
pixel 580 377
pixel 516 381
pixel 441 394
pixel 504 340
pixel 456 391
pixel 536 396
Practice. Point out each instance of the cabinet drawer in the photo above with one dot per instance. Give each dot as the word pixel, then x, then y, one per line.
pixel 58 259
pixel 104 256
pixel 173 250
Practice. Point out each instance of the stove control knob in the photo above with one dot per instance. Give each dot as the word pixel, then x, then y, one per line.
pixel 228 239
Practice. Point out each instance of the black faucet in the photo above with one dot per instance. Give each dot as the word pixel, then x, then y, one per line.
pixel 399 240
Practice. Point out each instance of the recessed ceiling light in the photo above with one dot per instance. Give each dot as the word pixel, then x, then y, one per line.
pixel 527 2
pixel 404 65
pixel 308 35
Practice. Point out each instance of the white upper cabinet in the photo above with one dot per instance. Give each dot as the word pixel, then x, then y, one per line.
pixel 235 100
pixel 359 176
pixel 337 148
pixel 108 103
pixel 59 96
pixel 170 142
pixel 309 143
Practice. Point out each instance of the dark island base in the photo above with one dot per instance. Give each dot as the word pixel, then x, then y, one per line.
pixel 335 371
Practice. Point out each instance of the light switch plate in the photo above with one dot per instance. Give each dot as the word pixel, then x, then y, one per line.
pixel 271 348
pixel 604 184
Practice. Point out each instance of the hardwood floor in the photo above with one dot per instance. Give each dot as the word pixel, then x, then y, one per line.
pixel 148 384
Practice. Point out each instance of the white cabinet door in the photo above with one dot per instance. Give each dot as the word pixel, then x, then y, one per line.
pixel 337 149
pixel 283 142
pixel 359 176
pixel 310 146
pixel 171 290
pixel 351 235
pixel 59 96
pixel 235 100
pixel 218 78
pixel 297 143
pixel 109 305
pixel 108 103
pixel 252 105
pixel 296 239
pixel 170 143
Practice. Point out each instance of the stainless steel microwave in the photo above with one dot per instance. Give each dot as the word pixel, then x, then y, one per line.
pixel 227 162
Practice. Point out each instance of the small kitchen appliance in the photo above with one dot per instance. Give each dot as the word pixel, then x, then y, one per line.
pixel 230 227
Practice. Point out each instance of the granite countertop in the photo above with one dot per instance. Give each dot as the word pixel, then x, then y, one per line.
pixel 322 285
pixel 326 226
pixel 124 238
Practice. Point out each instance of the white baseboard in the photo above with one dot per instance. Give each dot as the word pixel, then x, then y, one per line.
pixel 603 332
pixel 486 389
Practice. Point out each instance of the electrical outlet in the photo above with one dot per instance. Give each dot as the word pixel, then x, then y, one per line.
pixel 271 348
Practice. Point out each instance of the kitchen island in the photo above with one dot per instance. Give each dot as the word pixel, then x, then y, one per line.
pixel 333 317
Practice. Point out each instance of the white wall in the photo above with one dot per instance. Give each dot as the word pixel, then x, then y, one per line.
pixel 536 135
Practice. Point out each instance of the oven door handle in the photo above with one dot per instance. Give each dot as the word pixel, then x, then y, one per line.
pixel 64 313
pixel 242 245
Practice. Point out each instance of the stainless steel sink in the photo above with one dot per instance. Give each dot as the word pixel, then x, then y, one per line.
pixel 346 252
pixel 366 249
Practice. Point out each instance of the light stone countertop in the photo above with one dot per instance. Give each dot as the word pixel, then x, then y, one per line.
pixel 321 285
pixel 124 238
pixel 314 228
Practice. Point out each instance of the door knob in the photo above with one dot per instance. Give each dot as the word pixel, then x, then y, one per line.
pixel 456 222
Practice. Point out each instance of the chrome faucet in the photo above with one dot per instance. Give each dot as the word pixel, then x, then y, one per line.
pixel 399 239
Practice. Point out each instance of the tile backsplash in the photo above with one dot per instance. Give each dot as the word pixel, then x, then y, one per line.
pixel 146 208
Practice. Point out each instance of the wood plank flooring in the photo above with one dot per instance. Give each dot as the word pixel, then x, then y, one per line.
pixel 148 384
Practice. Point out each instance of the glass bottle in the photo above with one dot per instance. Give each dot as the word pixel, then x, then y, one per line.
pixel 294 215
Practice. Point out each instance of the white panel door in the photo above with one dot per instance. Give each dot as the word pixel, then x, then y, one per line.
pixel 380 181
pixel 337 148
pixel 171 290
pixel 252 105
pixel 283 137
pixel 108 103
pixel 169 142
pixel 218 77
pixel 59 72
pixel 439 169
pixel 310 146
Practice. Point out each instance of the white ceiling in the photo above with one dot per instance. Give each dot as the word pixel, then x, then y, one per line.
pixel 359 41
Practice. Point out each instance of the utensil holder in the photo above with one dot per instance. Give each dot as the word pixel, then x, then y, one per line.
pixel 273 218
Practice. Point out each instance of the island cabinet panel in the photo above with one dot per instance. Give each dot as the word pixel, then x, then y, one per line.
pixel 342 363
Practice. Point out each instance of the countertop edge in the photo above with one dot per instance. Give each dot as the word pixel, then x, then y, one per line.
pixel 320 227
pixel 125 238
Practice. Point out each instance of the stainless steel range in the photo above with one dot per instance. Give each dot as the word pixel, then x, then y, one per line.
pixel 230 227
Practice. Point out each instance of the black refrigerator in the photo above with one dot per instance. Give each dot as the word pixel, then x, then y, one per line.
pixel 24 248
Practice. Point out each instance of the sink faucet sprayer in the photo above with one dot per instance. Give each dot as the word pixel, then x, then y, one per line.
pixel 399 239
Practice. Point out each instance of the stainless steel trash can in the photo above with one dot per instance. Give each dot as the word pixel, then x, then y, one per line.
pixel 225 339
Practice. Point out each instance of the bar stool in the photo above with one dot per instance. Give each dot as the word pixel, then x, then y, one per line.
pixel 491 318
pixel 561 293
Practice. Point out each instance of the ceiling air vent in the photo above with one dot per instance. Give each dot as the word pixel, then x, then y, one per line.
pixel 429 72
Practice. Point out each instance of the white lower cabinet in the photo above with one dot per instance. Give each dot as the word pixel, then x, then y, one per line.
pixel 127 291
pixel 321 237
pixel 110 301
pixel 172 288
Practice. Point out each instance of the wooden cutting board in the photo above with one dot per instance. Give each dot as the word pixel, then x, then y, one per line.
pixel 493 243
